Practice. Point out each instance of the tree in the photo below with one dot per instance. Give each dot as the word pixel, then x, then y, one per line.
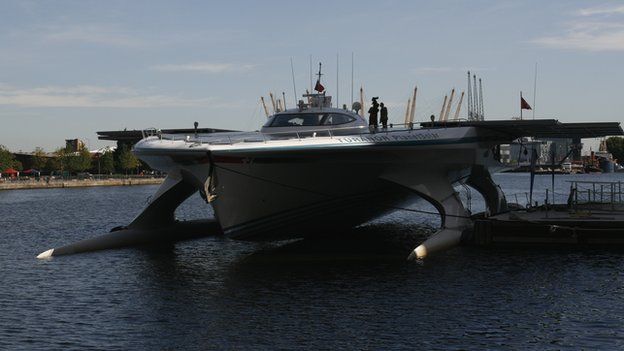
pixel 72 162
pixel 39 159
pixel 127 160
pixel 615 145
pixel 53 164
pixel 82 160
pixel 107 162
pixel 62 160
pixel 7 159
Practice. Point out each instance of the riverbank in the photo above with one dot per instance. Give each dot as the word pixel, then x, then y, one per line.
pixel 76 183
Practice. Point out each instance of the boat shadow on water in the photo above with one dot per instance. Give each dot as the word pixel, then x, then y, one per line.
pixel 370 242
pixel 375 242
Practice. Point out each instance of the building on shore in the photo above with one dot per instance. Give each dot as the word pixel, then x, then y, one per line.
pixel 519 152
pixel 74 145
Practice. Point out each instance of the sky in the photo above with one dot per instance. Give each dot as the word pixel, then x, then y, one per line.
pixel 71 68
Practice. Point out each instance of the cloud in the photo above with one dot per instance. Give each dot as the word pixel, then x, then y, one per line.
pixel 596 31
pixel 592 11
pixel 98 96
pixel 587 36
pixel 204 67
pixel 100 34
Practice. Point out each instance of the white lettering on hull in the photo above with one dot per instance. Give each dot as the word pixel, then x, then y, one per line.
pixel 389 138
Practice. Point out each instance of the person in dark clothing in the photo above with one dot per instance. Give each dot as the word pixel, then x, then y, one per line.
pixel 372 121
pixel 384 116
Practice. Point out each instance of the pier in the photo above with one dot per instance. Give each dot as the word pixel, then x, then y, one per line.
pixel 593 215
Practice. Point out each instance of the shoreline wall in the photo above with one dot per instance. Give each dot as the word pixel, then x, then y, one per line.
pixel 77 183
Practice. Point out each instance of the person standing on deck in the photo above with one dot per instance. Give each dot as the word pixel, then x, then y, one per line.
pixel 384 116
pixel 372 121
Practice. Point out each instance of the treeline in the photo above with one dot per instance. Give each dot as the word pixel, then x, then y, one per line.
pixel 615 145
pixel 7 160
pixel 66 161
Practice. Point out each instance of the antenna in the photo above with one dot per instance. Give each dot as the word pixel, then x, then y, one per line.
pixel 521 105
pixel 311 79
pixel 319 74
pixel 534 89
pixel 352 78
pixel 292 71
pixel 481 100
pixel 337 85
pixel 469 98
pixel 475 96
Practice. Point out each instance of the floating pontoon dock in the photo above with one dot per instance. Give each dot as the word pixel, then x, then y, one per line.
pixel 593 215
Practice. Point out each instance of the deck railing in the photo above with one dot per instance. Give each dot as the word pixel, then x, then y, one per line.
pixel 275 136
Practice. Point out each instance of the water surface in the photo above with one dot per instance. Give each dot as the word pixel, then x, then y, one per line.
pixel 355 293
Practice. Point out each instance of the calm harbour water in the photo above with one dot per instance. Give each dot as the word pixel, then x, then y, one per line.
pixel 215 293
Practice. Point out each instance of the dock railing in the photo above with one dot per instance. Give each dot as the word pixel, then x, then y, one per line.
pixel 594 193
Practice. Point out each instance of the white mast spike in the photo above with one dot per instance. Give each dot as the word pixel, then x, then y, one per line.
pixel 461 99
pixel 443 106
pixel 413 108
pixel 362 101
pixel 266 110
pixel 273 102
pixel 448 105
pixel 407 111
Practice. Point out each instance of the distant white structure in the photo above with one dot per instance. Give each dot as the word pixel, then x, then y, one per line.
pixel 103 150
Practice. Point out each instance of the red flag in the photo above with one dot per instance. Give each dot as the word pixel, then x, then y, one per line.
pixel 524 105
pixel 319 87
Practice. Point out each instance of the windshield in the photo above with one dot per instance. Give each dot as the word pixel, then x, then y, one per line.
pixel 308 119
pixel 297 120
pixel 335 118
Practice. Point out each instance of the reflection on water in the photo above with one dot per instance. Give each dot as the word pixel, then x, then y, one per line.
pixel 356 292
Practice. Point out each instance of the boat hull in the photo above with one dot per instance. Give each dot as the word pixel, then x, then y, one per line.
pixel 289 195
pixel 275 191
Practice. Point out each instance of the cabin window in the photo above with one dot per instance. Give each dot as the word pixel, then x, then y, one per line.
pixel 268 123
pixel 335 118
pixel 296 120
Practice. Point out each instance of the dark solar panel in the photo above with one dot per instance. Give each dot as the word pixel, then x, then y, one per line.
pixel 545 128
pixel 136 135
